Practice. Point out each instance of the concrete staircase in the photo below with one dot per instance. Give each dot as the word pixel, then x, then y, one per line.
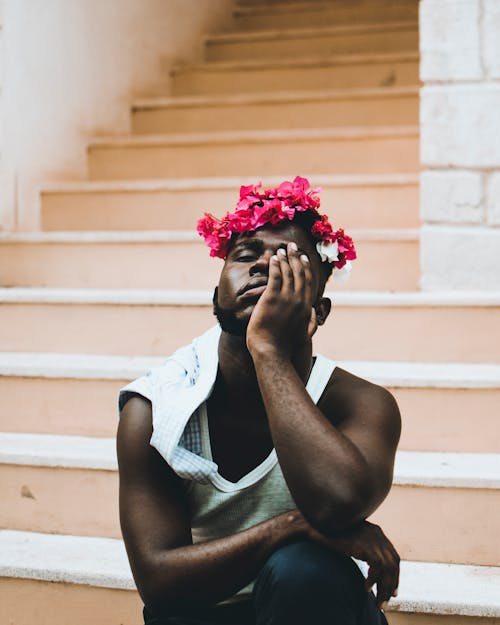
pixel 107 288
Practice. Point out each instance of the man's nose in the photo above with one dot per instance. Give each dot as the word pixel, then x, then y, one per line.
pixel 261 265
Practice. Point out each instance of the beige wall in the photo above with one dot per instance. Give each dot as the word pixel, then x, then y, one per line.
pixel 460 146
pixel 69 72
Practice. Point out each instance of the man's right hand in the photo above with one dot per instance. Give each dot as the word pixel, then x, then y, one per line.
pixel 367 542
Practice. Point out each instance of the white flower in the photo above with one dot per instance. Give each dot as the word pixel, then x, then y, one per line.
pixel 342 275
pixel 328 251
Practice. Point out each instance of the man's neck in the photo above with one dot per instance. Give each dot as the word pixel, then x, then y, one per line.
pixel 237 370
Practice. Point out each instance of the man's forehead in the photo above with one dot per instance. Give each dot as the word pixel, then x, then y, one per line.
pixel 273 237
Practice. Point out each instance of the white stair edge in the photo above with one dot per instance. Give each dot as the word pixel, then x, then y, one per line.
pixel 285 7
pixel 303 62
pixel 177 236
pixel 224 137
pixel 163 297
pixel 391 374
pixel 232 183
pixel 413 468
pixel 425 587
pixel 309 32
pixel 271 97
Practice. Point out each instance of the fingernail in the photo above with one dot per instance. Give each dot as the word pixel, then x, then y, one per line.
pixel 293 246
pixel 274 257
pixel 395 594
pixel 383 605
pixel 304 258
pixel 281 252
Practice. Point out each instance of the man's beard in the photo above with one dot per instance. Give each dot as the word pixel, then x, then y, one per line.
pixel 228 320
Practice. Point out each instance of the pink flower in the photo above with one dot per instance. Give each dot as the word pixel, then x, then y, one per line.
pixel 322 229
pixel 346 245
pixel 257 208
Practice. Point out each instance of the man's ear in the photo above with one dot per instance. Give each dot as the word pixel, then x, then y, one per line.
pixel 323 307
pixel 215 300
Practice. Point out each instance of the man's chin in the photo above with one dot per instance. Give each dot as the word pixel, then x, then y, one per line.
pixel 230 323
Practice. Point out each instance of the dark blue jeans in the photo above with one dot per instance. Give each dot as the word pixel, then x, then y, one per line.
pixel 300 584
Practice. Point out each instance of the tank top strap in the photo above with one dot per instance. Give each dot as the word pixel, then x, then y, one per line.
pixel 318 379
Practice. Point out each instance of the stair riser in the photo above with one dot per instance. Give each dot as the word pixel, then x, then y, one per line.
pixel 353 207
pixel 404 39
pixel 280 115
pixel 82 502
pixel 420 521
pixel 41 405
pixel 440 419
pixel 370 155
pixel 456 525
pixel 177 265
pixel 416 334
pixel 27 601
pixel 403 618
pixel 60 406
pixel 346 75
pixel 341 14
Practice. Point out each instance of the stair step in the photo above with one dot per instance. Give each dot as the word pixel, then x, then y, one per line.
pixel 389 201
pixel 125 260
pixel 37 389
pixel 56 580
pixel 413 327
pixel 335 72
pixel 69 485
pixel 292 109
pixel 307 14
pixel 373 150
pixel 325 40
pixel 428 590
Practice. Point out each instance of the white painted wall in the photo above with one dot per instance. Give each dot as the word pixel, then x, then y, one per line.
pixel 460 144
pixel 70 71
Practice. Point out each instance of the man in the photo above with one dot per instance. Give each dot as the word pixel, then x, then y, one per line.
pixel 248 467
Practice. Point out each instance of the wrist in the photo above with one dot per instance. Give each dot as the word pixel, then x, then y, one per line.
pixel 265 351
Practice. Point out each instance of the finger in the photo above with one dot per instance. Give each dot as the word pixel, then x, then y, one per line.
pixel 372 577
pixel 308 293
pixel 286 272
pixel 297 267
pixel 387 582
pixel 274 278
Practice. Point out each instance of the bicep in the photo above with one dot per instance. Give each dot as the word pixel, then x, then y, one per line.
pixel 373 424
pixel 153 512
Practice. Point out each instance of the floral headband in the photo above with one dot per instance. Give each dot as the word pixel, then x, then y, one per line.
pixel 257 208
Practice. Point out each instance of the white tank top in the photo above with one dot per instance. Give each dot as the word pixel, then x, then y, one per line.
pixel 220 508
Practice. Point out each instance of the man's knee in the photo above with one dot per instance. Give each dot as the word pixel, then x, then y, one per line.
pixel 305 577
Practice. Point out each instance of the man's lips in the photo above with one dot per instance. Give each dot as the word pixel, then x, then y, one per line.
pixel 255 291
pixel 253 288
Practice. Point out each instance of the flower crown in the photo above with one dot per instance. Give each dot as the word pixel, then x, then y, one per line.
pixel 257 208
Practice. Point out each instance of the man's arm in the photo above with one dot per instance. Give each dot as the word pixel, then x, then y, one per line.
pixel 168 569
pixel 337 475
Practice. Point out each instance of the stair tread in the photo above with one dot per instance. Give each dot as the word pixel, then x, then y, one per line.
pixel 204 297
pixel 278 97
pixel 426 587
pixel 186 184
pixel 256 136
pixel 311 61
pixel 393 374
pixel 310 31
pixel 176 236
pixel 412 468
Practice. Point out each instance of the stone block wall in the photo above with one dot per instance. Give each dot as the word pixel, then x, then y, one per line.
pixel 460 144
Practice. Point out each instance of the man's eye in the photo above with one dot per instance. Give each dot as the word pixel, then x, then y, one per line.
pixel 245 258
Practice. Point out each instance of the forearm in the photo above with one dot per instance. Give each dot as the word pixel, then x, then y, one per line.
pixel 327 475
pixel 209 572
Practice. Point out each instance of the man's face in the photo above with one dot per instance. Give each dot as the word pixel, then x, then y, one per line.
pixel 245 272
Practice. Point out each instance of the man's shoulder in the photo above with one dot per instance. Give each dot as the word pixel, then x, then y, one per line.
pixel 348 395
